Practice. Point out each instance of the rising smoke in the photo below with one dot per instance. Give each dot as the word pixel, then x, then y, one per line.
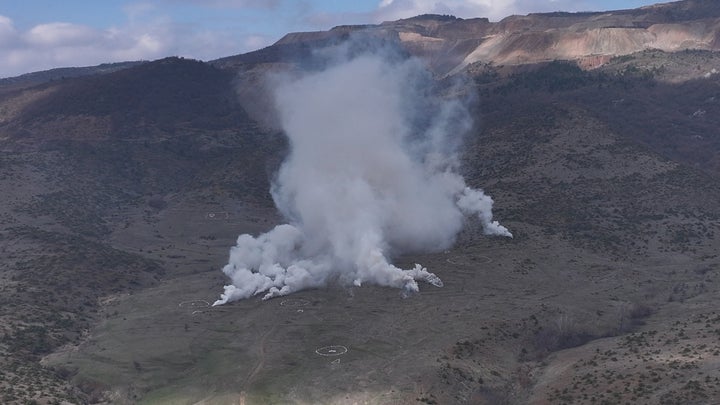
pixel 371 174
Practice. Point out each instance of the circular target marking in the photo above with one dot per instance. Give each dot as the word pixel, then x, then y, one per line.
pixel 335 350
pixel 481 259
pixel 194 304
pixel 294 302
pixel 217 215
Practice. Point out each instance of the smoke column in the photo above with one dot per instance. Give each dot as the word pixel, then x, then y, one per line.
pixel 370 174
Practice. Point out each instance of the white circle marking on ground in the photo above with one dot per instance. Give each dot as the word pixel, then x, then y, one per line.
pixel 334 350
pixel 194 304
pixel 294 302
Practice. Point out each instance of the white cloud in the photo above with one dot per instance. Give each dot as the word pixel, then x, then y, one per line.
pixel 493 9
pixel 60 34
pixel 143 37
pixel 390 10
pixel 256 41
pixel 8 34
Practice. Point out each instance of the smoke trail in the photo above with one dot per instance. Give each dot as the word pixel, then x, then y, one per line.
pixel 370 175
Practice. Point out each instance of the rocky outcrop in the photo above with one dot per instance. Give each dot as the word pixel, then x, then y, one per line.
pixel 450 44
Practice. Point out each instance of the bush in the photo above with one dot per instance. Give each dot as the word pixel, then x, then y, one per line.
pixel 563 333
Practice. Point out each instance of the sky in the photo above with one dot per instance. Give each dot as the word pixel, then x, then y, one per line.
pixel 44 34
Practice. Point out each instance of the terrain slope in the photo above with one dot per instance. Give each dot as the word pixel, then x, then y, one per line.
pixel 124 189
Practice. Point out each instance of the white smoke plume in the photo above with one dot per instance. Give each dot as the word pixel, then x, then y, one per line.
pixel 370 174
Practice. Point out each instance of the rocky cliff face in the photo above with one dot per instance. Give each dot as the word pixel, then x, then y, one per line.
pixel 450 44
pixel 576 43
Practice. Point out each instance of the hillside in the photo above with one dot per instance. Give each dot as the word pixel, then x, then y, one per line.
pixel 125 190
pixel 44 76
pixel 591 39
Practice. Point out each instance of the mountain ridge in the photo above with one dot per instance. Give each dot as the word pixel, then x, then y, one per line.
pixel 591 38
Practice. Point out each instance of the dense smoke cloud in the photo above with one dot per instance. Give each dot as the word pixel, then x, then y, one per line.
pixel 370 175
